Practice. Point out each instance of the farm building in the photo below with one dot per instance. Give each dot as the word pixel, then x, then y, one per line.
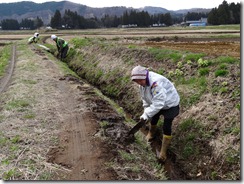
pixel 201 22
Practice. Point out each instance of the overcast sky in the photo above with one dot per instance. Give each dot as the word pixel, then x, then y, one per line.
pixel 168 4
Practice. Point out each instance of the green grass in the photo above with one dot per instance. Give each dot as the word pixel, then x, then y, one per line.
pixel 189 149
pixel 162 54
pixel 30 66
pixel 17 104
pixel 66 70
pixel 192 134
pixel 194 56
pixel 15 139
pixel 161 71
pixel 30 115
pixel 226 59
pixel 5 55
pixel 223 66
pixel 228 27
pixel 132 46
pixel 80 42
pixel 232 156
pixel 45 176
pixel 127 156
pixel 175 56
pixel 104 124
pixel 8 175
pixel 203 71
pixel 196 86
pixel 29 81
pixel 3 140
pixel 2 117
pixel 187 124
pixel 221 73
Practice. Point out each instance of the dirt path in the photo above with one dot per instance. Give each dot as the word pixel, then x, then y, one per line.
pixel 79 150
pixel 68 136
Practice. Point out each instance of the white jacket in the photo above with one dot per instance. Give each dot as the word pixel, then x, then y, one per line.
pixel 160 94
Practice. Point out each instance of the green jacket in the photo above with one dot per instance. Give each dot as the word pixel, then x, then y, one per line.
pixel 33 39
pixel 61 43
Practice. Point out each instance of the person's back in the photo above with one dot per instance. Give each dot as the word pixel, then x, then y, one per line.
pixel 31 39
pixel 172 96
pixel 61 43
pixel 159 97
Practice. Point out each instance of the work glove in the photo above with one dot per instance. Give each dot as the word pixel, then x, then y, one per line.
pixel 144 117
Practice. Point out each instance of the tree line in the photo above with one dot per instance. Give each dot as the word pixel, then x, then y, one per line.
pixel 12 24
pixel 224 14
pixel 72 20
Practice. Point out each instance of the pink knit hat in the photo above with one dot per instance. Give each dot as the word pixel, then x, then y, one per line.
pixel 139 72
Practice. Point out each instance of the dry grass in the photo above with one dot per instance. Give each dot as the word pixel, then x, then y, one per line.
pixel 28 127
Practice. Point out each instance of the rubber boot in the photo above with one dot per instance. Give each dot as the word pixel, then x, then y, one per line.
pixel 151 132
pixel 165 144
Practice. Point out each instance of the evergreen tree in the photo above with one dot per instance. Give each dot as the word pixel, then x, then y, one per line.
pixel 195 16
pixel 38 22
pixel 235 13
pixel 168 19
pixel 125 18
pixel 213 17
pixel 27 24
pixel 10 24
pixel 224 13
pixel 56 20
pixel 144 19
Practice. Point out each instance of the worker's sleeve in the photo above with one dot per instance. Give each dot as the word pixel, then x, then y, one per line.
pixel 61 42
pixel 158 101
pixel 145 104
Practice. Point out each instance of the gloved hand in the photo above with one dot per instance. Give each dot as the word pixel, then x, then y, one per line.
pixel 144 117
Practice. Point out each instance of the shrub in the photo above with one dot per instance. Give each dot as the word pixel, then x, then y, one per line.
pixel 189 62
pixel 178 72
pixel 179 64
pixel 202 63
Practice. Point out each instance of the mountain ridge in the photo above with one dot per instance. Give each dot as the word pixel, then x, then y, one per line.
pixel 45 11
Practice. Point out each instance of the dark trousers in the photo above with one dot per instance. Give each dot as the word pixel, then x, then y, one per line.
pixel 169 115
pixel 64 52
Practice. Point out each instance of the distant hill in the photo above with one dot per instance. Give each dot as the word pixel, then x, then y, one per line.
pixel 45 11
pixel 154 10
pixel 197 10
